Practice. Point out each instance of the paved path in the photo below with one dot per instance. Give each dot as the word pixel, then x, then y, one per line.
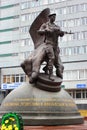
pixel 69 127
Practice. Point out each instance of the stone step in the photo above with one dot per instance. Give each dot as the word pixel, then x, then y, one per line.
pixel 67 127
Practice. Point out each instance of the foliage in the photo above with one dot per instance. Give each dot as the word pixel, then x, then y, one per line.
pixel 11 121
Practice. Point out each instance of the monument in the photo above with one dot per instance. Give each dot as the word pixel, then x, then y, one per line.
pixel 42 101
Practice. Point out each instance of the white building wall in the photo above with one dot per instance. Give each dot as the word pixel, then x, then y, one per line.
pixel 13 23
pixel 12 11
pixel 11 35
pixel 71 62
pixel 9 2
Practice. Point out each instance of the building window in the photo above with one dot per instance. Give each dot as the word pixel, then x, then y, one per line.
pixel 73 9
pixel 73 50
pixel 84 35
pixel 62 23
pixel 25 29
pixel 81 74
pixel 77 22
pixel 64 38
pixel 86 73
pixel 15 41
pixel 69 38
pixel 34 3
pixel 23 18
pixel 84 21
pixel 70 9
pixel 82 50
pixel 4 79
pixel 22 78
pixel 64 11
pixel 51 1
pixel 71 23
pixel 26 17
pixel 78 94
pixel 68 75
pixel 25 5
pixel 24 55
pixel 8 78
pixel 76 36
pixel 75 74
pixel 83 94
pixel 86 93
pixel 44 2
pixel 76 8
pixel 83 7
pixel 26 42
pixel 14 78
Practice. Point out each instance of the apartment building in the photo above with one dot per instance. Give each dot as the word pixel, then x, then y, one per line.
pixel 16 16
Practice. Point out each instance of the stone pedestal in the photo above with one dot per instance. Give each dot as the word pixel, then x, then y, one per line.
pixel 40 107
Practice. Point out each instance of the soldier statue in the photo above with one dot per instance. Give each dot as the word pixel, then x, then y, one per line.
pixel 45 34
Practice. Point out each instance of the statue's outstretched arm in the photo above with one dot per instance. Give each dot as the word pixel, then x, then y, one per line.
pixel 44 29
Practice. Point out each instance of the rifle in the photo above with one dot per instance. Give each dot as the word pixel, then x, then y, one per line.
pixel 65 32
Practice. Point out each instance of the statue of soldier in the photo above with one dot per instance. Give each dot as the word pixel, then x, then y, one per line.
pixel 44 33
pixel 52 32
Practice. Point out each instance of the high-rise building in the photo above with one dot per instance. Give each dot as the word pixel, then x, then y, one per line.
pixel 16 16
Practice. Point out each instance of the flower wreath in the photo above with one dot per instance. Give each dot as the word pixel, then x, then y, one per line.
pixel 11 121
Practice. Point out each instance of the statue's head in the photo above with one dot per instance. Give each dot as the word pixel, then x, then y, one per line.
pixel 52 17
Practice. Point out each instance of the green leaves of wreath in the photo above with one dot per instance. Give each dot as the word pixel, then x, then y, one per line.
pixel 11 121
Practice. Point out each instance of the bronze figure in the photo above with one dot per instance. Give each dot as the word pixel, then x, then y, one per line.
pixel 51 32
pixel 45 34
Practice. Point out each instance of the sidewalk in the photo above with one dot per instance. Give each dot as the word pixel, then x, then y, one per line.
pixel 69 127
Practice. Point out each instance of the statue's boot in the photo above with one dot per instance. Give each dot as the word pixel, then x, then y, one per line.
pixel 50 77
pixel 50 74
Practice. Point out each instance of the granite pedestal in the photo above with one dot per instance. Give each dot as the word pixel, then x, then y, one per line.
pixel 40 107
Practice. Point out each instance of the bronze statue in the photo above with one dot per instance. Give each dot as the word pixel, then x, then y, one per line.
pixel 44 33
pixel 52 32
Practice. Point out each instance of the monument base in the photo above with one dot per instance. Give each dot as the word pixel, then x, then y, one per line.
pixel 39 107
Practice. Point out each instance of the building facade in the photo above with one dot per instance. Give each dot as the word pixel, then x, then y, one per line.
pixel 16 16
